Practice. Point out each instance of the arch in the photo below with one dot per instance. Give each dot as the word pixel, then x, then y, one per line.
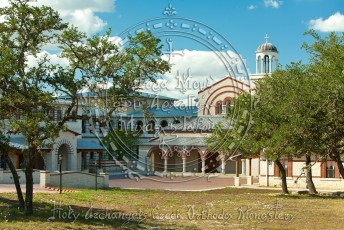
pixel 227 103
pixel 212 162
pixel 212 97
pixel 121 125
pixel 176 121
pixel 2 162
pixel 151 126
pixel 163 124
pixel 218 107
pixel 266 64
pixel 65 149
pixel 139 126
pixel 157 156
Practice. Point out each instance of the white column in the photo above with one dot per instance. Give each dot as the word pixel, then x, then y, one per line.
pixel 267 172
pixel 87 126
pixel 257 63
pixel 73 161
pixel 152 162
pixel 243 166
pixel 53 161
pixel 97 127
pixel 203 165
pixel 263 65
pixel 165 164
pixel 184 165
pixel 223 165
pixel 270 64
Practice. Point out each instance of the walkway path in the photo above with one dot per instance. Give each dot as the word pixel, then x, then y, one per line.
pixel 200 183
pixel 12 188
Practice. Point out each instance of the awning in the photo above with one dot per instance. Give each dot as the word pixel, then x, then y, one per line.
pixel 89 144
pixel 19 142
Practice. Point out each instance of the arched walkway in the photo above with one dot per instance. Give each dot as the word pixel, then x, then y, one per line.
pixel 211 162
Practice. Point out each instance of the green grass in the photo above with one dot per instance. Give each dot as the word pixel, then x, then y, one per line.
pixel 243 209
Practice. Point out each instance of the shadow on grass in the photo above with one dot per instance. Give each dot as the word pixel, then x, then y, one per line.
pixel 332 195
pixel 67 212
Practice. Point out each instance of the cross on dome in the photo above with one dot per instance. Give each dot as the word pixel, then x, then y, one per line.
pixel 266 38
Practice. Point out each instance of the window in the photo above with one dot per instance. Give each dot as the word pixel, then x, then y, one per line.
pixel 58 115
pixel 121 125
pixel 139 126
pixel 83 126
pixel 151 127
pixel 330 171
pixel 266 64
pixel 218 108
pixel 2 162
pixel 176 122
pixel 163 124
pixel 228 106
pixel 137 103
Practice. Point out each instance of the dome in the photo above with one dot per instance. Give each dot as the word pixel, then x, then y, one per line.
pixel 267 47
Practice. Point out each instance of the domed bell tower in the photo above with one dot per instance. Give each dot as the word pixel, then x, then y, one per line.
pixel 266 57
pixel 266 60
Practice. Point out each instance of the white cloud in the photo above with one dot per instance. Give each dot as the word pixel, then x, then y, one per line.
pixel 273 3
pixel 252 7
pixel 80 13
pixel 334 23
pixel 54 59
pixel 196 69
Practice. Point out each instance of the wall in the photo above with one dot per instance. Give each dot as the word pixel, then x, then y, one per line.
pixel 74 179
pixel 6 177
pixel 322 183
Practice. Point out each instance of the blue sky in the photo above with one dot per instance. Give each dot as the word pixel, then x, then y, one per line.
pixel 244 23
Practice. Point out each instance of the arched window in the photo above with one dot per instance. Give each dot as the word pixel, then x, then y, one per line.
pixel 163 124
pixel 139 126
pixel 151 127
pixel 176 122
pixel 228 106
pixel 330 171
pixel 121 125
pixel 218 108
pixel 266 64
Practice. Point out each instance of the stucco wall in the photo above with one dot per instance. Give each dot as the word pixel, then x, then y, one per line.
pixel 74 179
pixel 7 178
pixel 324 183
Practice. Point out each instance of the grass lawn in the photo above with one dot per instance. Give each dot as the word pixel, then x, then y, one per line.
pixel 232 208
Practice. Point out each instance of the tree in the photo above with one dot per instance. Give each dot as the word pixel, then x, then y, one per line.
pixel 124 140
pixel 285 122
pixel 327 67
pixel 29 90
pixel 5 148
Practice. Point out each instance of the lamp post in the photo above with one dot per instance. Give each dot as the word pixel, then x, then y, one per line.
pixel 96 169
pixel 60 166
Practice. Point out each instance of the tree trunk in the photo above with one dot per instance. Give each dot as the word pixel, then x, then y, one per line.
pixel 16 181
pixel 309 180
pixel 336 157
pixel 29 184
pixel 283 176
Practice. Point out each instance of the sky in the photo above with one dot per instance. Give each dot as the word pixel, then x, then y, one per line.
pixel 242 24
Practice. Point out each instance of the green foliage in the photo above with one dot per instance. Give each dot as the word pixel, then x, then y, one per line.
pixel 28 90
pixel 124 140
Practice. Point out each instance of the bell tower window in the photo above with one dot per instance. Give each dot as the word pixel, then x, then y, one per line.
pixel 266 64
